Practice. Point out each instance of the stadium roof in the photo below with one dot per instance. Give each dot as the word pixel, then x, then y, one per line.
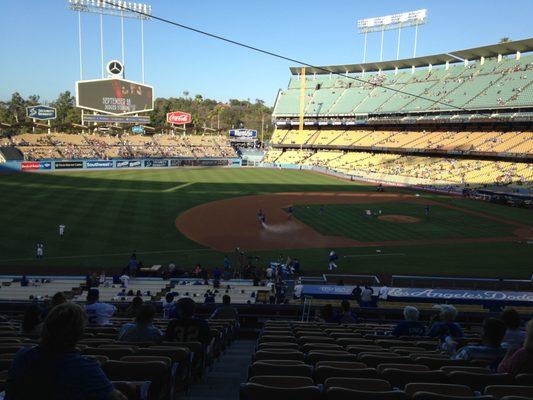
pixel 524 46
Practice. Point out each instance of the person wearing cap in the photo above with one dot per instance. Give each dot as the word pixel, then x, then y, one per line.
pixel 98 313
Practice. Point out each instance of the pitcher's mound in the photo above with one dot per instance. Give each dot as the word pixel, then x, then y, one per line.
pixel 399 219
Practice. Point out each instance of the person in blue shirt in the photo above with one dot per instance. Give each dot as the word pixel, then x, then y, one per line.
pixel 411 326
pixel 227 264
pixel 143 329
pixel 490 350
pixel 55 370
pixel 446 327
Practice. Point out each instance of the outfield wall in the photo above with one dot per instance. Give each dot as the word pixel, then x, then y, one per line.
pixel 62 165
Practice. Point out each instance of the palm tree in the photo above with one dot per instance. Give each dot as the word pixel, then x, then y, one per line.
pixel 505 39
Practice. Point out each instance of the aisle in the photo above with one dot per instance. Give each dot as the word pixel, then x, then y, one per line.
pixel 231 370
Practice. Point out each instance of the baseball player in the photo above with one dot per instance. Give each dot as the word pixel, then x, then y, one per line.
pixel 332 258
pixel 426 211
pixel 61 230
pixel 290 211
pixel 262 217
pixel 40 250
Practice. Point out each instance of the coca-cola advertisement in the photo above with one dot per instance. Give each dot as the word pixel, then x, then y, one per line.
pixel 179 118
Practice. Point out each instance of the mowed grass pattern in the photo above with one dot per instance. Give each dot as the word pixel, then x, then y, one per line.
pixel 350 220
pixel 109 214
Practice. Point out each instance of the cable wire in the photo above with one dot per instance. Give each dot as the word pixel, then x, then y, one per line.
pixel 276 55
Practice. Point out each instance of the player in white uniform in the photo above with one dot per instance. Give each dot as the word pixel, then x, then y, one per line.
pixel 40 250
pixel 61 230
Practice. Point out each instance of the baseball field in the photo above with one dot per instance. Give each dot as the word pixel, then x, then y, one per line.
pixel 186 216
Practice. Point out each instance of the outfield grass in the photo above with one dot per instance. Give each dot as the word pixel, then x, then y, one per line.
pixel 349 220
pixel 109 214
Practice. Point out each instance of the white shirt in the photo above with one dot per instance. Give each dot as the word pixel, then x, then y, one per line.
pixel 61 229
pixel 269 272
pixel 99 313
pixel 124 279
pixel 298 290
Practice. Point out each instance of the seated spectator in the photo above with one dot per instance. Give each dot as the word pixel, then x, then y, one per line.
pixel 32 323
pixel 491 349
pixel 521 360
pixel 326 314
pixel 514 336
pixel 58 298
pixel 124 280
pixel 143 329
pixel 169 306
pixel 411 326
pixel 187 327
pixel 134 307
pixel 366 297
pixel 209 297
pixel 346 316
pixel 98 313
pixel 446 326
pixel 54 370
pixel 225 311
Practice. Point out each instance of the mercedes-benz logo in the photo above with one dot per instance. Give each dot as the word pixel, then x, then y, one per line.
pixel 114 67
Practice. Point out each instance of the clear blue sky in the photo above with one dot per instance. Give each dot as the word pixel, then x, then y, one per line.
pixel 38 40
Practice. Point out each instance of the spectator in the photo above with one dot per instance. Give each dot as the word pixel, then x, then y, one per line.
pixel 514 336
pixel 24 281
pixel 169 306
pixel 521 360
pixel 54 370
pixel 490 350
pixel 98 313
pixel 366 296
pixel 134 307
pixel 143 329
pixel 217 273
pixel 32 323
pixel 227 264
pixel 133 264
pixel 346 316
pixel 58 298
pixel 446 326
pixel 411 326
pixel 209 297
pixel 296 266
pixel 356 294
pixel 326 314
pixel 187 327
pixel 225 311
pixel 124 280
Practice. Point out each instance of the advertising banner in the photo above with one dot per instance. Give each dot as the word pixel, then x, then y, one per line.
pixel 99 164
pixel 68 164
pixel 179 118
pixel 30 165
pixel 41 112
pixel 45 165
pixel 114 96
pixel 131 119
pixel 155 163
pixel 243 134
pixel 176 163
pixel 128 164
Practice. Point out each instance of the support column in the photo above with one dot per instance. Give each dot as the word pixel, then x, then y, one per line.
pixel 302 100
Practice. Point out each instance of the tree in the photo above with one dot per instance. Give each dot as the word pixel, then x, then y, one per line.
pixel 66 113
pixel 505 39
pixel 17 107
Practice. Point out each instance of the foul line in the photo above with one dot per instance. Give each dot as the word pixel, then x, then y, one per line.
pixel 373 255
pixel 105 255
pixel 172 189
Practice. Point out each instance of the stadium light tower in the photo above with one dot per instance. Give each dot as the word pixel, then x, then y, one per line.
pixel 116 8
pixel 390 22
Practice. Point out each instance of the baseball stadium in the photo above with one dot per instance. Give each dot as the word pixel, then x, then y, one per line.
pixel 369 236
